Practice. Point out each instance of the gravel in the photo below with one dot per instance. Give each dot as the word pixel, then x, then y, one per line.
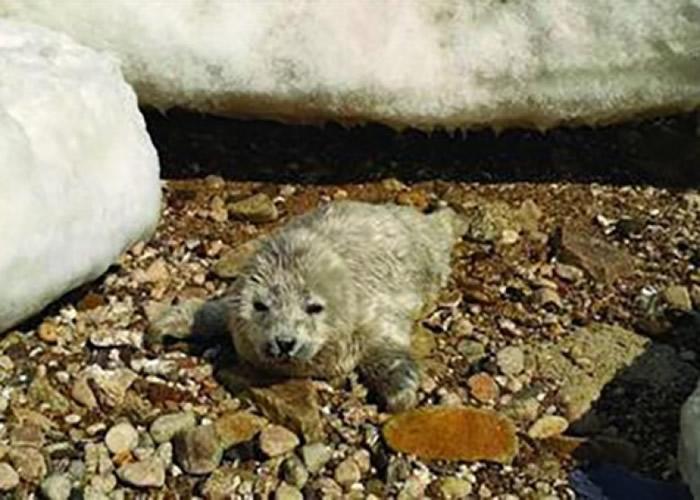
pixel 94 401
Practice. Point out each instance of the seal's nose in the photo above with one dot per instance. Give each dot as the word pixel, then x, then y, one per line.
pixel 285 345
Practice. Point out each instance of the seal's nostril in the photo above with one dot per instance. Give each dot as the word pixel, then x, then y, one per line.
pixel 285 345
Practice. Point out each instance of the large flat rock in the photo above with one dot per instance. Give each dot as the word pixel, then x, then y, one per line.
pixel 78 173
pixel 455 63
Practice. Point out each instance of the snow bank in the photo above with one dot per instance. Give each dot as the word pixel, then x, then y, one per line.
pixel 401 62
pixel 78 173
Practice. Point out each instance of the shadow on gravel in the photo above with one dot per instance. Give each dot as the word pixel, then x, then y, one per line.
pixel 662 152
pixel 636 423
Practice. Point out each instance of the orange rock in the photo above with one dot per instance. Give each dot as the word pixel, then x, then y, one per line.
pixel 48 332
pixel 483 387
pixel 453 433
pixel 237 427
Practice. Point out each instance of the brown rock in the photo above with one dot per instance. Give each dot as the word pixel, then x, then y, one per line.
pixel 48 332
pixel 453 433
pixel 90 301
pixel 257 208
pixel 237 427
pixel 603 262
pixel 198 450
pixel 483 387
pixel 293 404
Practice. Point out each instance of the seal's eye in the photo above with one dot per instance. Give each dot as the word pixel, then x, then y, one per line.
pixel 260 306
pixel 314 308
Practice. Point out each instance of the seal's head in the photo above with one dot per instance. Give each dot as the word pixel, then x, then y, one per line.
pixel 290 301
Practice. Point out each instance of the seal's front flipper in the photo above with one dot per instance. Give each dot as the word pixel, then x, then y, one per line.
pixel 191 320
pixel 392 374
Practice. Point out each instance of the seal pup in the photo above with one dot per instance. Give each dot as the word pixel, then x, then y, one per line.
pixel 338 289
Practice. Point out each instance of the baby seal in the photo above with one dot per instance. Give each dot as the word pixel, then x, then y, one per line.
pixel 340 288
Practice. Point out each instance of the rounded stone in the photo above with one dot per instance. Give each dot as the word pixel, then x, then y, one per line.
pixel 165 427
pixel 453 488
pixel 347 473
pixel 287 492
pixel 510 360
pixel 316 456
pixel 121 438
pixel 483 387
pixel 548 426
pixel 56 487
pixel 149 473
pixel 294 472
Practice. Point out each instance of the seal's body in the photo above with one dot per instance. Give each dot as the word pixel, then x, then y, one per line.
pixel 339 288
